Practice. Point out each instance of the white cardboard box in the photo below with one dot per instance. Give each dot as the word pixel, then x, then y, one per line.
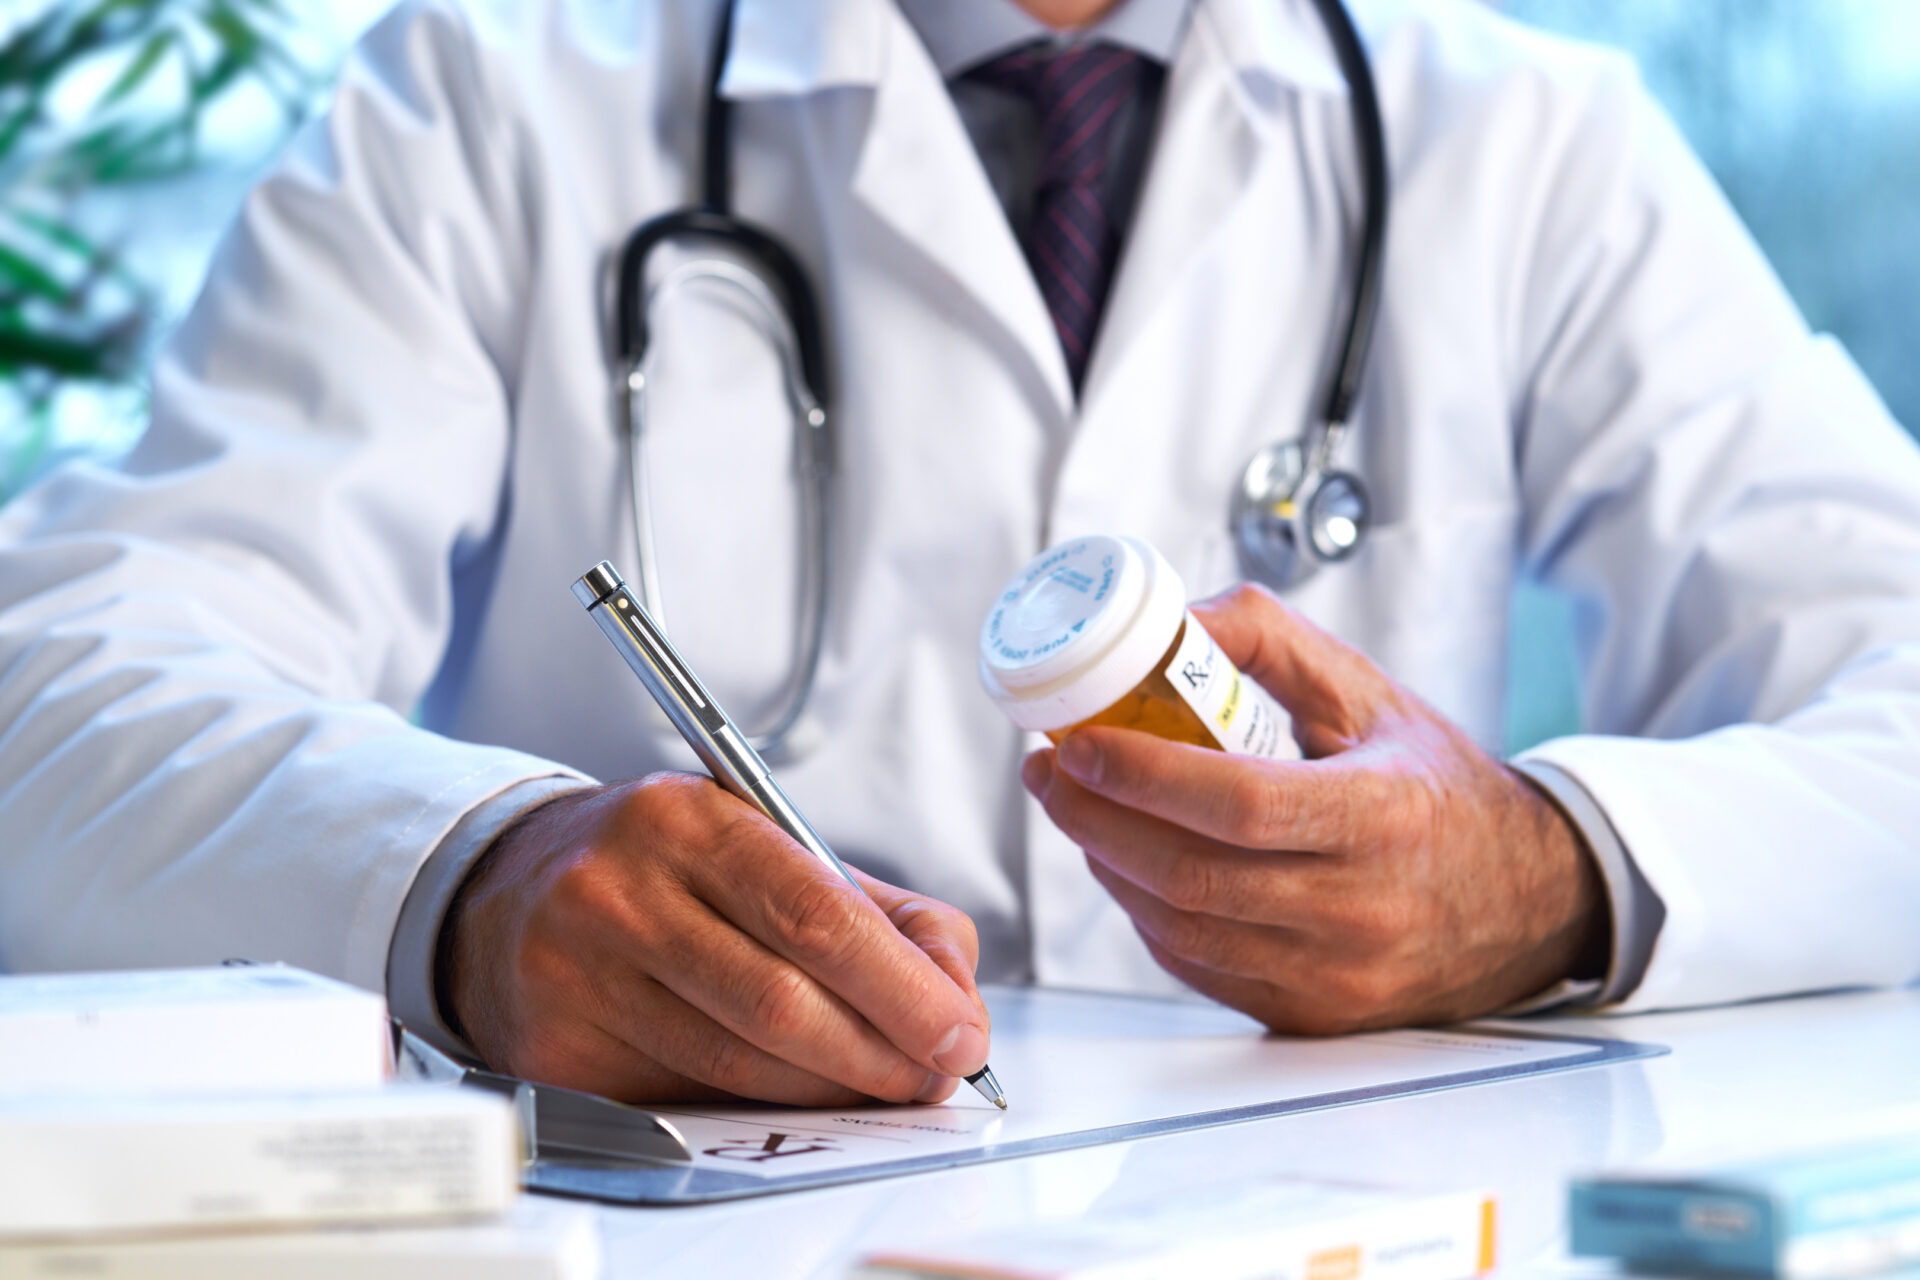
pixel 247 1028
pixel 541 1240
pixel 85 1166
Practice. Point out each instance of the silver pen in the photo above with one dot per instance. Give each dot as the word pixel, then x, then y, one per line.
pixel 722 748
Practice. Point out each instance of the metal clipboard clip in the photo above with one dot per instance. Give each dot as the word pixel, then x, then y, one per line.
pixel 557 1126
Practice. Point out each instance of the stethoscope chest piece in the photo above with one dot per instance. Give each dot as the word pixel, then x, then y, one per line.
pixel 1291 514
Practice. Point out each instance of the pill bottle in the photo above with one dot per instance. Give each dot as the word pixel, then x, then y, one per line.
pixel 1096 631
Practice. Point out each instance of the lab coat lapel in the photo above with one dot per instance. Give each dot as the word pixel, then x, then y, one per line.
pixel 917 171
pixel 1219 122
pixel 920 175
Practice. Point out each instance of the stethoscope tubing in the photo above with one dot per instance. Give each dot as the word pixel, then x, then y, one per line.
pixel 1370 134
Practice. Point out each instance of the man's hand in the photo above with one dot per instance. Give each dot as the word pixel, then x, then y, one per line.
pixel 1397 875
pixel 663 941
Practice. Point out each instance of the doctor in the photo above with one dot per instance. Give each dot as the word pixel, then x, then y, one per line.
pixel 301 678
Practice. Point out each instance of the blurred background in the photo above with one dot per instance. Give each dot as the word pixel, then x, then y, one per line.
pixel 1808 112
pixel 129 130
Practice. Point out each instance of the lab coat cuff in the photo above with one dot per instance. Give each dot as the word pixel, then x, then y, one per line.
pixel 411 958
pixel 1566 993
pixel 1637 910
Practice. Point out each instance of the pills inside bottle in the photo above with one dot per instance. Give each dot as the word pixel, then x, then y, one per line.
pixel 1096 631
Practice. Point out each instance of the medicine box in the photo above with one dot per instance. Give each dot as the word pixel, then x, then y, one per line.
pixel 1281 1229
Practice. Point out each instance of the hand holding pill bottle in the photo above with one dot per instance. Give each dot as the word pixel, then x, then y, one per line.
pixel 1096 631
pixel 1401 877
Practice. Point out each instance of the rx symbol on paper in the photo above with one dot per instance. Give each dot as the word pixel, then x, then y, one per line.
pixel 776 1146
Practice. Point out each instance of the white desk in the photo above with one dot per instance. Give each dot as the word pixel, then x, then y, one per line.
pixel 1783 1066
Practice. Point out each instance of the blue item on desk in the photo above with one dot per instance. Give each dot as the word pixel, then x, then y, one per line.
pixel 1850 1209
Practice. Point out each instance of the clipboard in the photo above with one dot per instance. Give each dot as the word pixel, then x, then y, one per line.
pixel 1080 1069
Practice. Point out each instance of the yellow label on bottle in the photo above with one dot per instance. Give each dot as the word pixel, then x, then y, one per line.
pixel 1224 717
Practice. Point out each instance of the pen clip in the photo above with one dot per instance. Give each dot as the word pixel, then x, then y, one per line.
pixel 660 653
pixel 647 650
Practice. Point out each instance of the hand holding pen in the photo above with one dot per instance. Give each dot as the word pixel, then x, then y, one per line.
pixel 662 940
pixel 715 739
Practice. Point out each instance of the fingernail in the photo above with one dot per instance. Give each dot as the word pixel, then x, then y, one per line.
pixel 1036 771
pixel 963 1052
pixel 1080 758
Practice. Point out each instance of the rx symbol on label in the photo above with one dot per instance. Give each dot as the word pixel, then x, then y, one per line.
pixel 1198 672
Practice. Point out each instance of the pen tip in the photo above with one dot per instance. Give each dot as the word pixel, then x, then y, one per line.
pixel 988 1087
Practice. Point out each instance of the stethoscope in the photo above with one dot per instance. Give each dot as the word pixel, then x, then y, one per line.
pixel 1293 511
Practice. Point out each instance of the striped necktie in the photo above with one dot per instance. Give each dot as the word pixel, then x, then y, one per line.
pixel 1072 242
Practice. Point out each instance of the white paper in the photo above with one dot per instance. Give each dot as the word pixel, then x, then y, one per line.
pixel 1072 1062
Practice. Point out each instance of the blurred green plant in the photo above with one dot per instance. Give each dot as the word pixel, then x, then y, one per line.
pixel 101 94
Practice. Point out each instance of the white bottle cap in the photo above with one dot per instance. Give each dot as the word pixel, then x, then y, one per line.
pixel 1079 627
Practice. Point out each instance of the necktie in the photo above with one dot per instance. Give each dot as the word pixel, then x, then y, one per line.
pixel 1072 242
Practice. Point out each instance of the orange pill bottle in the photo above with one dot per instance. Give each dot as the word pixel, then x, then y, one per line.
pixel 1096 631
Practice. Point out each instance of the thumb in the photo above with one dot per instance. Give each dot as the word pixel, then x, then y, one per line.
pixel 1334 693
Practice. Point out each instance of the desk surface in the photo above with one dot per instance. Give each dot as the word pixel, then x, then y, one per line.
pixel 1783 1066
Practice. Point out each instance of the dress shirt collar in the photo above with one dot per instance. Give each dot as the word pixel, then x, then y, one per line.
pixel 962 34
pixel 787 47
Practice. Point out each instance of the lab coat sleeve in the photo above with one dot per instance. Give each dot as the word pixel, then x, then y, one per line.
pixel 1737 520
pixel 208 652
pixel 414 972
pixel 1635 909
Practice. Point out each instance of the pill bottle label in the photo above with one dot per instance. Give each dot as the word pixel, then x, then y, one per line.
pixel 1242 716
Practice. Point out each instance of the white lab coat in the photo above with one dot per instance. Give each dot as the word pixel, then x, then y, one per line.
pixel 384 443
